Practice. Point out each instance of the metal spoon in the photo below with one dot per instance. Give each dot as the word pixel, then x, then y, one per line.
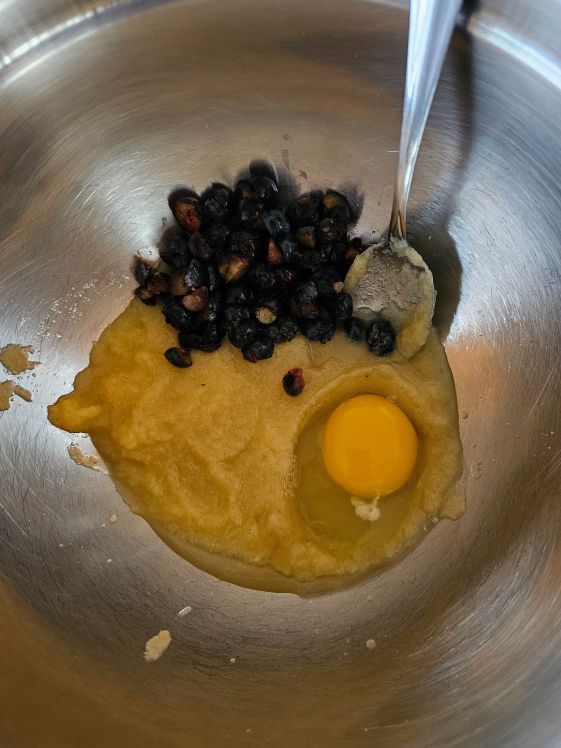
pixel 431 23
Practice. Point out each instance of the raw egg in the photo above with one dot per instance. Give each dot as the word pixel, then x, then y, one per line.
pixel 369 446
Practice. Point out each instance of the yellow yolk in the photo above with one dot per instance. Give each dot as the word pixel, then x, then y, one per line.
pixel 369 446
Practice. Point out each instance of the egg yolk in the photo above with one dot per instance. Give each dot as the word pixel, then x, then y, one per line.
pixel 369 446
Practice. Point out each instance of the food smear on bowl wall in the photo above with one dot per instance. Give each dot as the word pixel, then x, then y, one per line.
pixel 15 358
pixel 259 408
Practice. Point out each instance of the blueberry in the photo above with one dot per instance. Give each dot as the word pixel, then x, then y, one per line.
pixel 214 309
pixel 176 315
pixel 335 206
pixel 266 189
pixel 195 275
pixel 190 337
pixel 263 278
pixel 215 211
pixel 354 329
pixel 305 210
pixel 328 231
pixel 248 212
pixel 217 235
pixel 380 337
pixel 351 254
pixel 337 252
pixel 186 209
pixel 233 267
pixel 147 297
pixel 283 330
pixel 343 306
pixel 196 300
pixel 199 247
pixel 265 315
pixel 207 337
pixel 177 286
pixel 260 348
pixel 217 201
pixel 267 311
pixel 318 330
pixel 158 283
pixel 275 222
pixel 293 382
pixel 306 237
pixel 274 254
pixel 142 271
pixel 178 357
pixel 287 276
pixel 242 335
pixel 288 245
pixel 308 311
pixel 235 315
pixel 213 277
pixel 236 294
pixel 244 244
pixel 176 252
pixel 329 282
pixel 306 293
pixel 311 260
pixel 213 335
pixel 244 189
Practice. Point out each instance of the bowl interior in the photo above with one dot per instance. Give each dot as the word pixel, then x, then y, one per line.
pixel 96 126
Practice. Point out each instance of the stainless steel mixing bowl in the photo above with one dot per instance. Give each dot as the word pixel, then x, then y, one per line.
pixel 103 108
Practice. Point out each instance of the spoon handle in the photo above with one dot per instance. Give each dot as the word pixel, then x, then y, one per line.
pixel 431 23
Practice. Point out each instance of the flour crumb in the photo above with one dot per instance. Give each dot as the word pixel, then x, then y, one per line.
pixel 185 611
pixel 156 646
pixel 80 458
pixel 113 518
pixel 370 644
pixel 15 358
pixel 232 660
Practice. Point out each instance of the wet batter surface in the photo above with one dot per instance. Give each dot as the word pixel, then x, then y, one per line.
pixel 217 456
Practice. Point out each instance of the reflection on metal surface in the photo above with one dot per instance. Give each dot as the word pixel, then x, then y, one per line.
pixel 92 137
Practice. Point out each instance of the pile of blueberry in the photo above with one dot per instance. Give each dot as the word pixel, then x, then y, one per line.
pixel 240 267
